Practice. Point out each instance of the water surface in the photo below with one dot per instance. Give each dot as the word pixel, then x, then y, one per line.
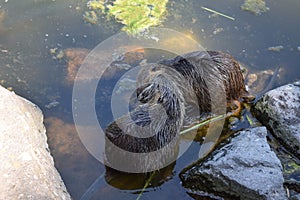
pixel 30 28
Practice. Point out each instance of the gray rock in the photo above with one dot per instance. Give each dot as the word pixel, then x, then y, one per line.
pixel 279 110
pixel 27 169
pixel 295 197
pixel 245 168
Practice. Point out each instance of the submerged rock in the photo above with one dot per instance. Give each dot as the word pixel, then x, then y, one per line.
pixel 122 59
pixel 74 57
pixel 75 163
pixel 27 169
pixel 257 81
pixel 279 111
pixel 246 168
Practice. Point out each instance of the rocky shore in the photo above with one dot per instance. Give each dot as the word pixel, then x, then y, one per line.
pixel 27 169
pixel 246 167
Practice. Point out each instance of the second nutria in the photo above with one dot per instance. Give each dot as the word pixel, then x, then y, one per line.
pixel 164 91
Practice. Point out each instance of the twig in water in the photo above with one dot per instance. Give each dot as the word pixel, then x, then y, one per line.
pixel 145 186
pixel 203 123
pixel 249 120
pixel 218 13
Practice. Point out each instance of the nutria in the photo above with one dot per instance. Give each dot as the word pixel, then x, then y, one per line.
pixel 164 89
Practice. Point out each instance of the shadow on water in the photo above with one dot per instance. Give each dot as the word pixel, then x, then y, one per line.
pixel 29 29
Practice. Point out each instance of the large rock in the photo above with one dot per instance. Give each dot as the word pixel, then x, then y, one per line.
pixel 245 168
pixel 27 169
pixel 279 110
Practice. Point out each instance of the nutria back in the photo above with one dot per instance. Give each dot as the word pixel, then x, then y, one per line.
pixel 213 68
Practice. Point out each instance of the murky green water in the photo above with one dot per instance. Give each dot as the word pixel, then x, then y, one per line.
pixel 30 28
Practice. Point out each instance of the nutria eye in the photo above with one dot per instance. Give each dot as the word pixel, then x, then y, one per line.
pixel 154 69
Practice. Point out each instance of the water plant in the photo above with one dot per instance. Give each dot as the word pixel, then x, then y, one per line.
pixel 257 7
pixel 95 5
pixel 136 15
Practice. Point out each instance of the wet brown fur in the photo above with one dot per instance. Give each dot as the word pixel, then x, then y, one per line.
pixel 168 86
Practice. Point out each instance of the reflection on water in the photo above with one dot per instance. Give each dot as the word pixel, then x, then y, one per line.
pixel 30 28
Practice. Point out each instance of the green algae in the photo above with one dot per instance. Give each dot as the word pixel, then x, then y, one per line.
pixel 257 7
pixel 95 5
pixel 136 15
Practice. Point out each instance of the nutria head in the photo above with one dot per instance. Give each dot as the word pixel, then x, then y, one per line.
pixel 152 127
pixel 160 109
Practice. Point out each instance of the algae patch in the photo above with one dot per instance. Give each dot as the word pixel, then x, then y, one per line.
pixel 95 5
pixel 257 7
pixel 135 15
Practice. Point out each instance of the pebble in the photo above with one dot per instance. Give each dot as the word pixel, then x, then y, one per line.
pixel 276 48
